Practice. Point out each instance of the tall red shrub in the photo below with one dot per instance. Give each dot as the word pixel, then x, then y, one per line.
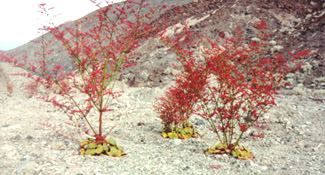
pixel 240 82
pixel 98 55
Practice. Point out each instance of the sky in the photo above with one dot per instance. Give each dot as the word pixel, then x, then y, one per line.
pixel 21 19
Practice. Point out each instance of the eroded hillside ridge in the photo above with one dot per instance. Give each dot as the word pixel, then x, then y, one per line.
pixel 293 26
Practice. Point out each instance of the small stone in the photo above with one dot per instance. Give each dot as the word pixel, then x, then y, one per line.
pixel 144 75
pixel 177 162
pixel 44 142
pixel 290 139
pixel 14 126
pixel 29 137
pixel 252 163
pixel 308 16
pixel 307 146
pixel 223 157
pixel 28 168
pixel 306 67
pixel 186 168
pixel 65 166
pixel 199 122
pixel 276 48
pixel 176 141
pixel 264 168
pixel 59 146
pixel 256 39
pixel 16 138
pixel 272 42
pixel 141 124
pixel 278 140
pixel 247 164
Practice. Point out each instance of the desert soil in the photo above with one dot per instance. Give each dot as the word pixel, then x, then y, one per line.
pixel 293 141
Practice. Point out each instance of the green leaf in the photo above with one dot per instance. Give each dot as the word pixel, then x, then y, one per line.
pixel 164 134
pixel 188 131
pixel 90 151
pixel 120 148
pixel 99 149
pixel 243 153
pixel 105 147
pixel 235 153
pixel 210 150
pixel 92 146
pixel 220 145
pixel 90 139
pixel 173 135
pixel 111 141
pixel 115 152
pixel 181 131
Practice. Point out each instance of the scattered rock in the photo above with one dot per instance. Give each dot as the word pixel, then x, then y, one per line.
pixel 176 142
pixel 199 122
pixel 29 137
pixel 59 146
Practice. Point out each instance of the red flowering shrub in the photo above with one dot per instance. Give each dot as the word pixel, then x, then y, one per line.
pixel 239 83
pixel 177 105
pixel 179 101
pixel 99 56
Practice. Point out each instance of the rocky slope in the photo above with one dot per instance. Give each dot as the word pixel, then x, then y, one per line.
pixel 293 26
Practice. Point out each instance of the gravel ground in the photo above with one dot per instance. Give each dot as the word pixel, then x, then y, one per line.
pixel 293 142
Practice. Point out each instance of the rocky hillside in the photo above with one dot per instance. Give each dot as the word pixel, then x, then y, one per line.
pixel 293 26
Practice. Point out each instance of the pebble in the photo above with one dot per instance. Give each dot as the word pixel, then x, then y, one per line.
pixel 199 122
pixel 28 167
pixel 176 142
pixel 17 137
pixel 29 137
pixel 263 168
pixel 12 127
pixel 59 146
pixel 186 168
